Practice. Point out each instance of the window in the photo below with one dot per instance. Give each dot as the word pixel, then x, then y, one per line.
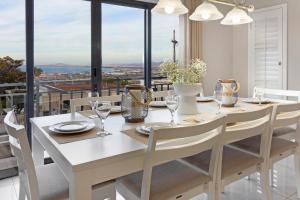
pixel 163 27
pixel 62 53
pixel 12 59
pixel 122 47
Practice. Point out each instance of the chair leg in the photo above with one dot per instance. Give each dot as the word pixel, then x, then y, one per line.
pixel 22 193
pixel 265 183
pixel 211 192
pixel 297 170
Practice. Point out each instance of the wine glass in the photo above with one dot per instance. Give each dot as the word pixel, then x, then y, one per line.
pixel 93 104
pixel 103 109
pixel 172 102
pixel 218 100
pixel 259 94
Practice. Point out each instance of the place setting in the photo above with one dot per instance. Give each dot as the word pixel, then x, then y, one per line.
pixel 75 130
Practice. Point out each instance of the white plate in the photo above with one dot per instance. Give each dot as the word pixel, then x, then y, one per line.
pixel 115 109
pixel 70 126
pixel 146 128
pixel 158 104
pixel 204 99
pixel 256 101
pixel 89 126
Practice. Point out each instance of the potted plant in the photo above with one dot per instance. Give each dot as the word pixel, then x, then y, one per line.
pixel 187 82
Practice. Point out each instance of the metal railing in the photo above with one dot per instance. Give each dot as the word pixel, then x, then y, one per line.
pixel 53 97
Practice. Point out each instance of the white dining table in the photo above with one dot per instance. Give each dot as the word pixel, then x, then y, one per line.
pixel 92 161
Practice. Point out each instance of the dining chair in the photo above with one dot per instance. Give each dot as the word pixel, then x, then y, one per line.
pixel 75 103
pixel 234 164
pixel 287 132
pixel 278 149
pixel 45 182
pixel 164 177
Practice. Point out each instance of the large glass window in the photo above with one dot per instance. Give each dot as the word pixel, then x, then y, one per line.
pixel 62 53
pixel 163 29
pixel 122 47
pixel 12 59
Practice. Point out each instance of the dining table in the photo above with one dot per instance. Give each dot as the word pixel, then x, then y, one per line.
pixel 90 161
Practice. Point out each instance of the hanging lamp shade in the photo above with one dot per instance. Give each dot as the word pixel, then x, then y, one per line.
pixel 206 12
pixel 236 16
pixel 174 7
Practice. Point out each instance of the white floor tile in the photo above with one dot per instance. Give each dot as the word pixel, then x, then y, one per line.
pixel 284 180
pixel 244 189
pixel 7 190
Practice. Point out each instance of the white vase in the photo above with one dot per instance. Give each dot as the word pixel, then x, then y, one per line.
pixel 187 95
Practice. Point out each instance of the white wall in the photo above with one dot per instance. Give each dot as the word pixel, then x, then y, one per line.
pixel 225 49
pixel 217 52
pixel 240 41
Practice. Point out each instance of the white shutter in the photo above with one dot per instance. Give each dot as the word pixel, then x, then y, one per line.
pixel 267 49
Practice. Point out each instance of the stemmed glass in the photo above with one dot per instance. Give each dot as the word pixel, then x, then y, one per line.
pixel 103 109
pixel 259 94
pixel 93 104
pixel 218 100
pixel 172 102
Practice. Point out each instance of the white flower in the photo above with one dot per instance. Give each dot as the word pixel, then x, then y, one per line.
pixel 193 73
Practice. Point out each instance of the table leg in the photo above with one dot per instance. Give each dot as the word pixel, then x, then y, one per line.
pixel 37 148
pixel 80 189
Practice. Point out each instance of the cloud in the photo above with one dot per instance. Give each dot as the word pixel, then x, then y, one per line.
pixel 63 32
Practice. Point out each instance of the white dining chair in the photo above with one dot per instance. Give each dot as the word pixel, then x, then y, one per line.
pixel 45 182
pixel 287 132
pixel 233 164
pixel 279 93
pixel 75 103
pixel 164 177
pixel 278 149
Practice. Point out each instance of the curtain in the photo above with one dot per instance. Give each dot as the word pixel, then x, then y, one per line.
pixel 190 34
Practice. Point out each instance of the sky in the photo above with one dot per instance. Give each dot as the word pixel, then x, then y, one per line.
pixel 63 32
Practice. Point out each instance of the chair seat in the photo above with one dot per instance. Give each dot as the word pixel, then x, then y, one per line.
pixel 168 180
pixel 233 162
pixel 52 184
pixel 278 146
pixel 282 131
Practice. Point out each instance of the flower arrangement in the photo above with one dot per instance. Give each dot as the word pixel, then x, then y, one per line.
pixel 191 74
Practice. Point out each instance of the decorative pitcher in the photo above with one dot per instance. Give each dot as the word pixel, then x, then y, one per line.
pixel 135 101
pixel 229 90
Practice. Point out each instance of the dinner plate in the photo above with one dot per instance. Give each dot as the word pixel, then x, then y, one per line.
pixel 70 126
pixel 204 99
pixel 115 109
pixel 256 101
pixel 158 104
pixel 146 128
pixel 89 126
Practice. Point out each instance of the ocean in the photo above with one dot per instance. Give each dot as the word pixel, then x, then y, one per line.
pixel 68 69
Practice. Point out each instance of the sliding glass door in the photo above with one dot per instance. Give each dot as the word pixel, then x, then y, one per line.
pixel 62 54
pixel 122 47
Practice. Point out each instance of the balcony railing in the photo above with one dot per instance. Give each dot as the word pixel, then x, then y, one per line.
pixel 53 97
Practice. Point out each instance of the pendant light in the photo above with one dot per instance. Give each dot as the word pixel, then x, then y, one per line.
pixel 206 12
pixel 237 16
pixel 174 7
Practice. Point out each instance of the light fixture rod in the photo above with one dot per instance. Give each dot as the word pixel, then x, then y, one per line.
pixel 249 8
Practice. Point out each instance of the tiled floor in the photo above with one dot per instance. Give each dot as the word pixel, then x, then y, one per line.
pixel 285 186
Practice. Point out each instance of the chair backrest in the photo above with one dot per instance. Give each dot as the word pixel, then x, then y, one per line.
pixel 279 93
pixel 161 94
pixel 181 142
pixel 75 103
pixel 21 149
pixel 286 115
pixel 247 125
